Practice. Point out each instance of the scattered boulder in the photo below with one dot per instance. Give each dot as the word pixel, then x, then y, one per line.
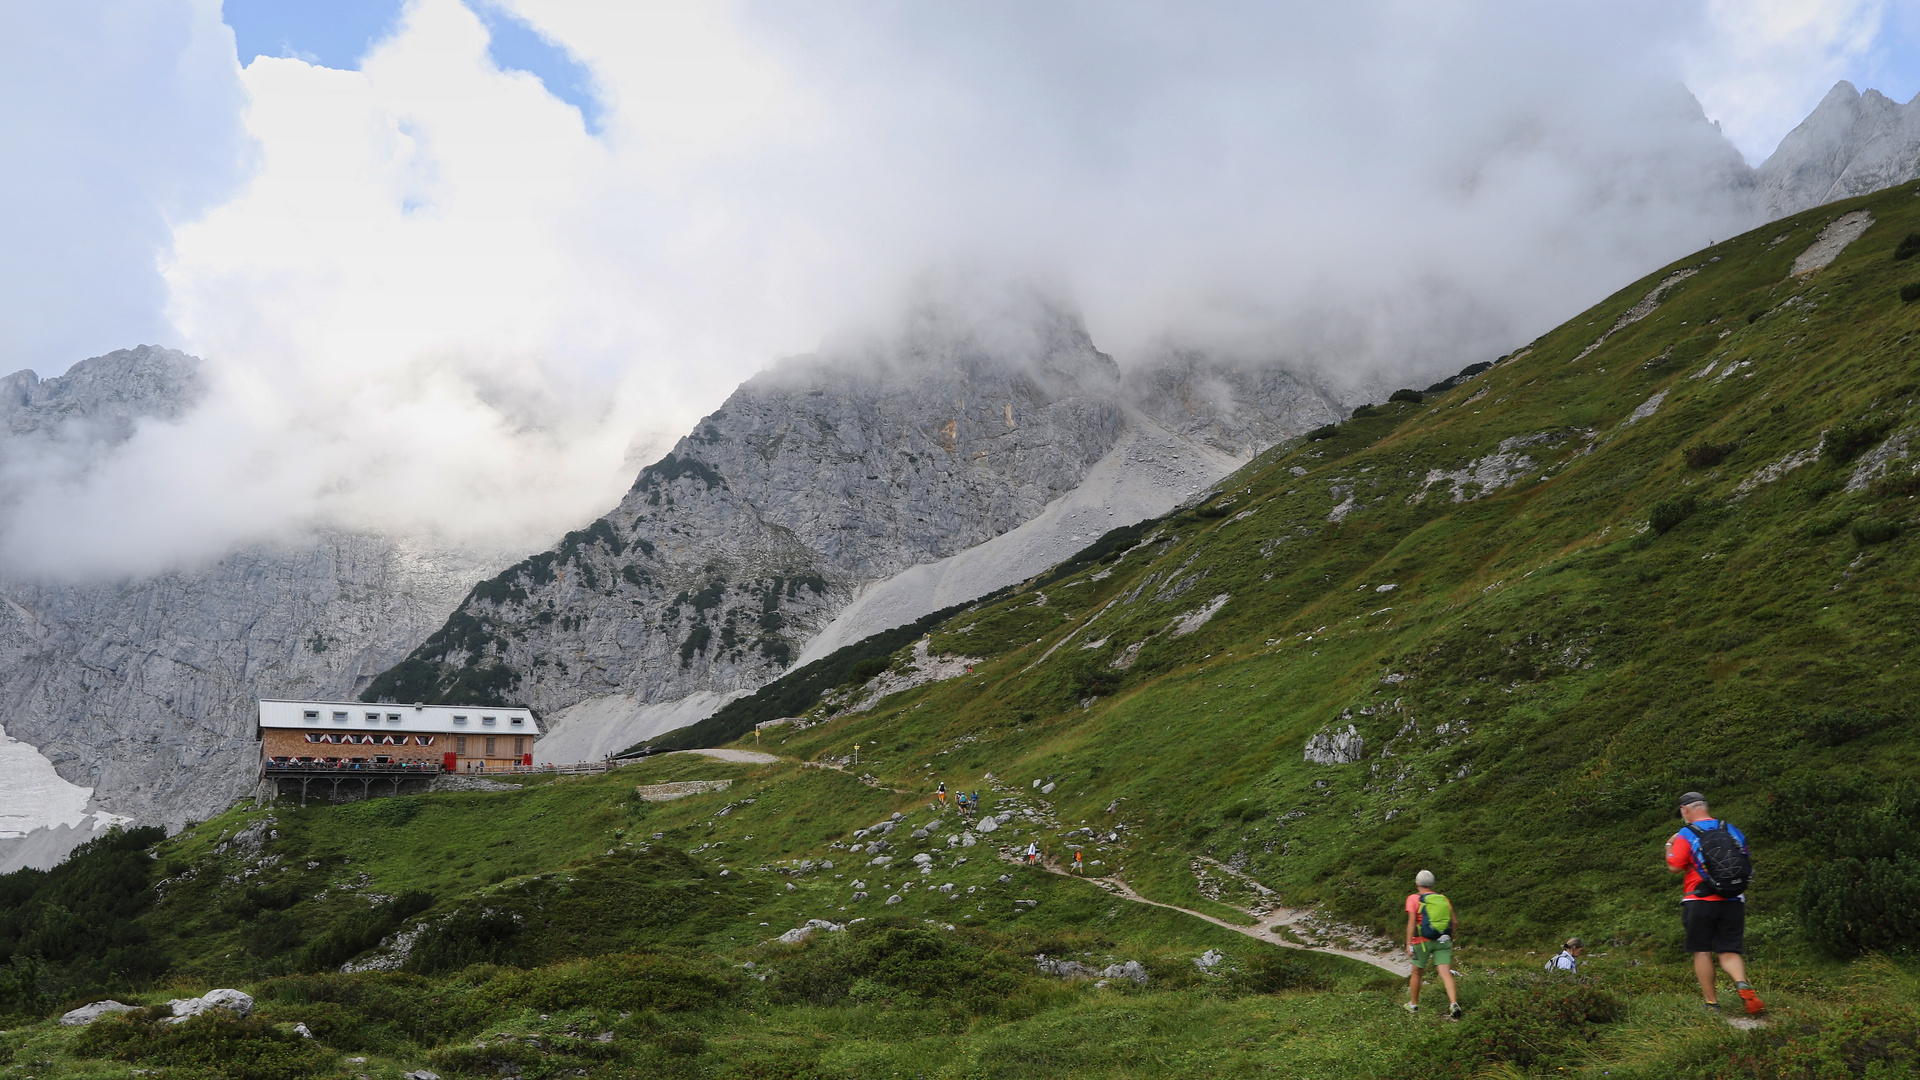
pixel 881 860
pixel 87 1014
pixel 233 1001
pixel 1206 961
pixel 922 859
pixel 420 1074
pixel 1132 971
pixel 894 899
pixel 859 896
pixel 987 824
pixel 801 933
pixel 1047 789
pixel 302 1031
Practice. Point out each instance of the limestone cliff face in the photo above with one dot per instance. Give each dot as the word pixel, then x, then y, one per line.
pixel 1851 144
pixel 813 478
pixel 143 689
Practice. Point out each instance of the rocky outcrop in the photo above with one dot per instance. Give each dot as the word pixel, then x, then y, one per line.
pixel 141 692
pixel 898 479
pixel 1851 144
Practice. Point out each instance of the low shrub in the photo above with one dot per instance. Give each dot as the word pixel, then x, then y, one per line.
pixel 1670 512
pixel 1854 906
pixel 1532 1024
pixel 1907 248
pixel 628 983
pixel 1412 396
pixel 1267 973
pixel 1871 1040
pixel 897 959
pixel 1707 455
pixel 361 931
pixel 1910 292
pixel 463 938
pixel 1846 441
pixel 1874 530
pixel 1365 410
pixel 216 1045
pixel 1324 431
pixel 373 1011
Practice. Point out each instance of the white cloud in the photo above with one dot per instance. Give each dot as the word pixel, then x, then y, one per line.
pixel 119 118
pixel 1759 66
pixel 441 305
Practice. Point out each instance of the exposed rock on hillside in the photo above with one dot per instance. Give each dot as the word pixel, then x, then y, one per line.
pixel 143 690
pixel 900 480
pixel 1851 144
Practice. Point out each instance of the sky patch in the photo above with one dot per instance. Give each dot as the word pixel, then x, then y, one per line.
pixel 339 33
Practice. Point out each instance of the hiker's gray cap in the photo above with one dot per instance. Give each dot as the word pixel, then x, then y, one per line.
pixel 1423 879
pixel 1575 943
pixel 1692 797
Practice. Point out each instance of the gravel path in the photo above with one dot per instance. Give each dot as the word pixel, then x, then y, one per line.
pixel 744 757
pixel 1268 930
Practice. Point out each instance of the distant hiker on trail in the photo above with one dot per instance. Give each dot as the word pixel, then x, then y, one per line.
pixel 942 792
pixel 1713 908
pixel 1078 867
pixel 1568 959
pixel 1033 853
pixel 1430 927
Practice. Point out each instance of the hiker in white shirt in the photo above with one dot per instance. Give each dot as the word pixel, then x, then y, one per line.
pixel 1568 959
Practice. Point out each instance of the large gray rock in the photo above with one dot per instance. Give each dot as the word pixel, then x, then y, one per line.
pixel 233 1001
pixel 87 1014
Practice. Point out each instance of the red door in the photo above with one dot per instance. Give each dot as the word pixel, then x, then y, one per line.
pixel 448 762
pixel 526 759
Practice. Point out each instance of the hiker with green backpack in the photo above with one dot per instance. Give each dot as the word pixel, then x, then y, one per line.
pixel 1430 930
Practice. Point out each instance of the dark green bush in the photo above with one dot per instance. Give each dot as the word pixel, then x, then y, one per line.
pixel 1848 440
pixel 1874 530
pixel 1854 906
pixel 1706 455
pixel 1533 1024
pixel 1365 410
pixel 20 991
pixel 891 958
pixel 1269 973
pixel 360 931
pixel 1413 396
pixel 1755 316
pixel 627 983
pixel 464 938
pixel 216 1045
pixel 1670 512
pixel 1908 247
pixel 866 669
pixel 1910 292
pixel 1325 431
pixel 80 920
pixel 373 1011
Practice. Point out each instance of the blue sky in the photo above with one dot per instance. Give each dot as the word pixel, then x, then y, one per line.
pixel 337 33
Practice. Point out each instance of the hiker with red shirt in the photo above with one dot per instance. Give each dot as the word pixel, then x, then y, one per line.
pixel 1715 922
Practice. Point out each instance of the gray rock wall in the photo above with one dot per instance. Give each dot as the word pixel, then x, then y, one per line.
pixel 1851 144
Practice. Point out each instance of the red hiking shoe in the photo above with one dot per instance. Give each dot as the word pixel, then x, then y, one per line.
pixel 1754 1004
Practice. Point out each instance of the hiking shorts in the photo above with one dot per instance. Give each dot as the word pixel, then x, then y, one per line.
pixel 1429 953
pixel 1716 926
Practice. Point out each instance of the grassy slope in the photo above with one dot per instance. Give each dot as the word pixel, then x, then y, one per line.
pixel 1542 679
pixel 1545 674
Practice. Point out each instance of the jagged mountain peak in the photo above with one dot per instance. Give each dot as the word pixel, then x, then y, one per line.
pixel 1852 144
